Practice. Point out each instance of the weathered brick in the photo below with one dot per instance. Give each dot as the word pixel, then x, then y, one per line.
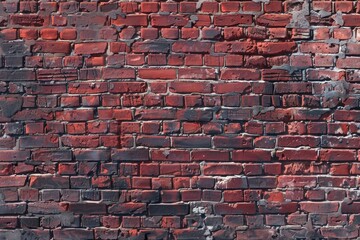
pixel 92 155
pixel 139 154
pixel 141 120
pixel 232 142
pixel 87 208
pixel 195 142
pixel 168 20
pixel 251 155
pixel 12 181
pixel 237 208
pixel 240 74
pixel 75 115
pixel 232 20
pixel 131 20
pixel 118 73
pixel 17 75
pixel 14 155
pixel 128 208
pixel 46 141
pixel 274 20
pixel 191 47
pixel 127 87
pixel 222 169
pixel 151 47
pixel 42 181
pixel 168 209
pixel 12 208
pixel 90 48
pixel 27 20
pixel 319 207
pixel 272 48
pixel 51 47
pixel 72 233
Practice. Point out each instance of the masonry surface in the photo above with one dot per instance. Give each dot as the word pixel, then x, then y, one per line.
pixel 179 120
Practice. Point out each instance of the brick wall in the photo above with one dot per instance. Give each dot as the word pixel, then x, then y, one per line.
pixel 179 120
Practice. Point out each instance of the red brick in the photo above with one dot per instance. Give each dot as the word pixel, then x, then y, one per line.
pixel 232 20
pixel 296 181
pixel 189 87
pixel 198 74
pixel 337 155
pixel 149 7
pixel 157 73
pixel 168 20
pixel 319 48
pixel 49 34
pixel 319 207
pixel 90 48
pixel 247 47
pixel 80 141
pixel 274 20
pixel 222 169
pixel 118 73
pixel 272 48
pixel 351 20
pixel 240 74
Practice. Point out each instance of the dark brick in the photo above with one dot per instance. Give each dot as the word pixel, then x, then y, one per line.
pixel 168 209
pixel 87 208
pixel 139 154
pixel 49 182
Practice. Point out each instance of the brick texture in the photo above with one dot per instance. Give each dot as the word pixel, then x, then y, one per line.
pixel 179 120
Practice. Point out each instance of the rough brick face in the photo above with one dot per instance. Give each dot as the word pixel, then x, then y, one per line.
pixel 183 120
